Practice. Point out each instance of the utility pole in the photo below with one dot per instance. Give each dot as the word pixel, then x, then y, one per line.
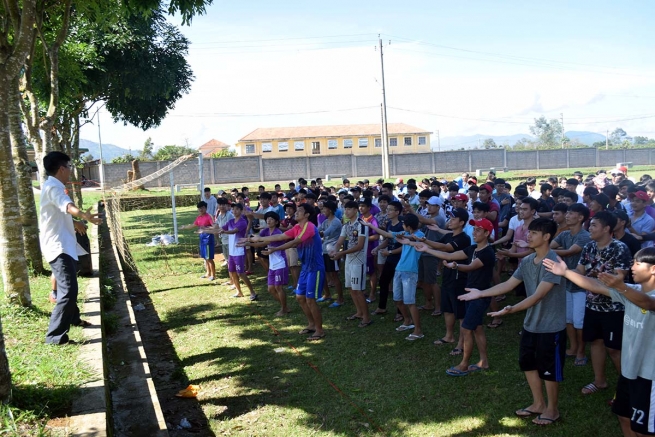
pixel 562 118
pixel 385 137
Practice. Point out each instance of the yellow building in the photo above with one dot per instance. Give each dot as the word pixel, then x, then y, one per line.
pixel 357 139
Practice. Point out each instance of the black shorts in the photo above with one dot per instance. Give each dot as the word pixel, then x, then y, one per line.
pixel 450 303
pixel 543 352
pixel 330 264
pixel 427 269
pixel 634 400
pixel 608 326
pixel 475 312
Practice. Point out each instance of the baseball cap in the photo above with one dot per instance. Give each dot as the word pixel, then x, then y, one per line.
pixel 461 214
pixel 462 197
pixel 355 188
pixel 641 195
pixel 399 181
pixel 617 171
pixel 365 201
pixel 622 215
pixel 220 192
pixel 624 169
pixel 487 187
pixel 435 200
pixel 482 223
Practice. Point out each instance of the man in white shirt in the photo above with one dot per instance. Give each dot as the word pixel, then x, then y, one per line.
pixel 59 245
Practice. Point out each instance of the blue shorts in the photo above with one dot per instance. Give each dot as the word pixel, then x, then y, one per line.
pixel 475 312
pixel 310 284
pixel 207 246
pixel 404 287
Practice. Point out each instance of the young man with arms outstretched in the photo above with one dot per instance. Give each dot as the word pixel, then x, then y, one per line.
pixel 543 339
pixel 406 276
pixel 603 319
pixel 205 220
pixel 356 234
pixel 304 235
pixel 479 273
pixel 569 245
pixel 635 392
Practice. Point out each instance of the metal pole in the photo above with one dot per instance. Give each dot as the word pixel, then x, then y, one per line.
pixel 173 205
pixel 102 164
pixel 385 139
pixel 562 118
pixel 202 176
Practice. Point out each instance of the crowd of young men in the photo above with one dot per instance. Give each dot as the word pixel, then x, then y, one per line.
pixel 567 247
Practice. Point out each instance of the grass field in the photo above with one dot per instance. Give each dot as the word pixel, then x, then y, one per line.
pixel 259 377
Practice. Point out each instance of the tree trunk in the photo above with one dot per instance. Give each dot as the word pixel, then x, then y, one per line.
pixel 74 144
pixel 29 218
pixel 13 264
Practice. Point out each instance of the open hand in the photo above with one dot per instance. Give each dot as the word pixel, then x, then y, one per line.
pixel 522 244
pixel 80 227
pixel 557 267
pixel 610 280
pixel 502 312
pixel 473 293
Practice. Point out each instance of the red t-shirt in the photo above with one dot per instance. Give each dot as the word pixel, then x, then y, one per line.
pixel 305 232
pixel 204 220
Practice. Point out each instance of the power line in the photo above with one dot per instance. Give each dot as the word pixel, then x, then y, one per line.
pixel 279 45
pixel 286 39
pixel 242 114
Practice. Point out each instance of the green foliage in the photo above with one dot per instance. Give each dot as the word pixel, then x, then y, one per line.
pixel 147 152
pixel 548 132
pixel 489 143
pixel 171 153
pixel 224 153
pixel 616 137
pixel 124 159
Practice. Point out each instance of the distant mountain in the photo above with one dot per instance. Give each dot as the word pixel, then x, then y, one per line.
pixel 109 151
pixel 473 141
pixel 587 138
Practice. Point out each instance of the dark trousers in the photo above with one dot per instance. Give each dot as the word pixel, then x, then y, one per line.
pixel 65 313
pixel 386 279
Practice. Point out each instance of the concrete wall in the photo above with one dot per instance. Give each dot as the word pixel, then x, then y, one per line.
pixel 255 169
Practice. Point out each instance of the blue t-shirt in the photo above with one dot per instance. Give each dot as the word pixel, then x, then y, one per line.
pixel 409 257
pixel 310 249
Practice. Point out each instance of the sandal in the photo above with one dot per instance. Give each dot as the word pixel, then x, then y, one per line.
pixel 365 324
pixel 353 317
pixel 398 318
pixel 494 325
pixel 456 351
pixel 436 313
pixel 579 362
pixel 591 388
pixel 424 308
pixel 307 331
pixel 441 341
pixel 315 337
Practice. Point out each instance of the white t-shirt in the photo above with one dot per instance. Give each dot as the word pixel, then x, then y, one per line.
pixel 57 231
pixel 514 223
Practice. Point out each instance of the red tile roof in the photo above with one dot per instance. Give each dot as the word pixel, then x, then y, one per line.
pixel 212 146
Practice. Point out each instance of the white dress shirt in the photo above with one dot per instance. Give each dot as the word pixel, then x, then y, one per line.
pixel 57 230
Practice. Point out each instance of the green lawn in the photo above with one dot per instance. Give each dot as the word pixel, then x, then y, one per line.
pixel 45 378
pixel 259 377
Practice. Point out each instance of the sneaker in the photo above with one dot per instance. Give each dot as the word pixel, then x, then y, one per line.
pixel 211 278
pixel 203 277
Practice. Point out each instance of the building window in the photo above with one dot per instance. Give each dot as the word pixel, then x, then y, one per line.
pixel 362 142
pixel 422 141
pixel 408 141
pixel 393 142
pixel 378 142
pixel 316 147
pixel 267 147
pixel 332 144
pixel 347 144
pixel 282 146
pixel 299 145
pixel 250 149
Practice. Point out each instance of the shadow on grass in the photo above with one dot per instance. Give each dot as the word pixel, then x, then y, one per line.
pixel 52 401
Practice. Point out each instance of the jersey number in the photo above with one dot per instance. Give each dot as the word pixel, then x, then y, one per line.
pixel 638 416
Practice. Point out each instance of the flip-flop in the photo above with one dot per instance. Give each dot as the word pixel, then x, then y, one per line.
pixel 375 313
pixel 238 295
pixel 324 299
pixel 423 308
pixel 353 318
pixel 315 337
pixel 436 313
pixel 307 331
pixel 365 324
pixel 591 388
pixel 548 421
pixel 475 368
pixel 370 301
pixel 579 362
pixel 398 318
pixel 402 328
pixel 524 412
pixel 414 337
pixel 335 305
pixel 254 298
pixel 493 325
pixel 454 371
pixel 456 351
pixel 441 341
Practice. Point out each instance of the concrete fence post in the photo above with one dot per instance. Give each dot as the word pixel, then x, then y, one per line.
pixel 434 164
pixel 470 161
pixel 212 172
pixel 537 159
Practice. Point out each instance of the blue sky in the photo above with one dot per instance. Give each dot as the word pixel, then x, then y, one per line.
pixel 464 68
